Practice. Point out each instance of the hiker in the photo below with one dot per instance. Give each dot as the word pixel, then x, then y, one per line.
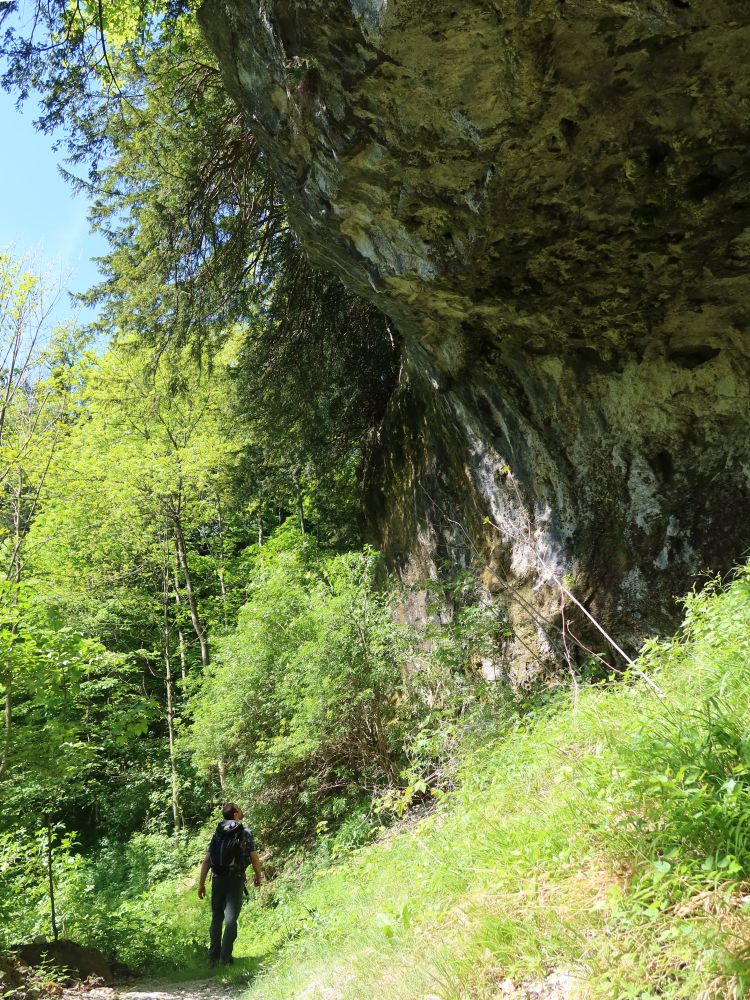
pixel 231 850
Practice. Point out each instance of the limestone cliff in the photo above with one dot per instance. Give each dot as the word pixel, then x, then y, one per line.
pixel 552 200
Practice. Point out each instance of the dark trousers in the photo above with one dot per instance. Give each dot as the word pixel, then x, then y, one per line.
pixel 226 903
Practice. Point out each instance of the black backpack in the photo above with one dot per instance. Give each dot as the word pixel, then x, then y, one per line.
pixel 227 849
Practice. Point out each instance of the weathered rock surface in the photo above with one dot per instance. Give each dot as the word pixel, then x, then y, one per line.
pixel 552 200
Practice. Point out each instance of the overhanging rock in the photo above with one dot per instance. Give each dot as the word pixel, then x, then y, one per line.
pixel 552 201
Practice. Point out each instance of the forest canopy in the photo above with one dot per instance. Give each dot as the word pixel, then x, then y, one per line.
pixel 201 247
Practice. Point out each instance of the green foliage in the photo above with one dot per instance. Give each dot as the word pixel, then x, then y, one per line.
pixel 684 778
pixel 24 899
pixel 127 895
pixel 120 897
pixel 449 698
pixel 303 705
pixel 65 738
pixel 600 837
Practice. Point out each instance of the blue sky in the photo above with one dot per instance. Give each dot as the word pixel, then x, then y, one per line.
pixel 40 216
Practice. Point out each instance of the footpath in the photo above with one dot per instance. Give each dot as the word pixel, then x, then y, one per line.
pixel 201 989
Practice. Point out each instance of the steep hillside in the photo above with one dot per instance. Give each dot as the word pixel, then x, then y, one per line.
pixel 596 848
pixel 578 845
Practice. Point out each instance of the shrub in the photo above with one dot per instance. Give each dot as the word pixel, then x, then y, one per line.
pixel 304 703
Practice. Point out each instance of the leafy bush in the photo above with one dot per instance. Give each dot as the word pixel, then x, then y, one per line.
pixel 134 900
pixel 25 909
pixel 304 703
pixel 321 701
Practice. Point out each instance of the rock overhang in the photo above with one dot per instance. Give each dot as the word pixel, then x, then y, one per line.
pixel 552 201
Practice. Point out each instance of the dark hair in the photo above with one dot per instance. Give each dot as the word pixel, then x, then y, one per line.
pixel 229 809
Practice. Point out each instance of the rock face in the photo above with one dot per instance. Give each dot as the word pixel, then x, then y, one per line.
pixel 551 199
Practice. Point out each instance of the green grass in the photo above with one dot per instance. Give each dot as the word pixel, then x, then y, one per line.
pixel 605 838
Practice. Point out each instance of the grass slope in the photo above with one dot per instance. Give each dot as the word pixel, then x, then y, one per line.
pixel 597 847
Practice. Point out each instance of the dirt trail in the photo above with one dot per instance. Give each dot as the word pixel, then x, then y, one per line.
pixel 198 989
pixel 556 986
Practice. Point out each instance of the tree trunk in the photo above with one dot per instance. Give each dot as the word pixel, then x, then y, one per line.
pixel 221 560
pixel 14 576
pixel 183 658
pixel 179 539
pixel 300 507
pixel 7 719
pixel 180 633
pixel 176 812
pixel 50 879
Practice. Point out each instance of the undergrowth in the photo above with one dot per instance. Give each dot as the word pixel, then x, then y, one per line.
pixel 599 842
pixel 596 843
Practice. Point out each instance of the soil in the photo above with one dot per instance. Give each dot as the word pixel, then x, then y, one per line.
pixel 202 989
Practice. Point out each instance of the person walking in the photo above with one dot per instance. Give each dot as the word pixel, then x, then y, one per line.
pixel 231 850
